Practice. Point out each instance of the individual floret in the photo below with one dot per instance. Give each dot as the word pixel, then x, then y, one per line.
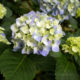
pixel 3 37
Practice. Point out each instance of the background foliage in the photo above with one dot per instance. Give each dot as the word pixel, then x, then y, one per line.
pixel 56 66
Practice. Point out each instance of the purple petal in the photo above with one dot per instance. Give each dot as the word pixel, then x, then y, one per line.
pixel 61 12
pixel 45 51
pixel 3 34
pixel 66 17
pixel 18 22
pixel 57 42
pixel 58 31
pixel 55 27
pixel 24 51
pixel 35 50
pixel 27 51
pixel 57 2
pixel 16 48
pixel 13 34
pixel 45 41
pixel 42 8
pixel 55 12
pixel 55 48
pixel 37 38
pixel 31 13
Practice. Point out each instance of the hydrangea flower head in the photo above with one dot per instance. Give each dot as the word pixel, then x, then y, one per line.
pixel 2 11
pixel 36 32
pixel 72 45
pixel 60 8
pixel 3 37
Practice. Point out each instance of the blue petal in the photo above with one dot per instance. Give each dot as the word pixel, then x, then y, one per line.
pixel 55 27
pixel 3 34
pixel 66 17
pixel 58 42
pixel 18 22
pixel 55 12
pixel 13 34
pixel 35 50
pixel 61 12
pixel 24 51
pixel 57 2
pixel 32 13
pixel 45 51
pixel 55 48
pixel 42 8
pixel 58 31
pixel 16 48
pixel 36 37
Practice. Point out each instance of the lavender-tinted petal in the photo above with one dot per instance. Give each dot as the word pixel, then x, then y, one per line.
pixel 57 42
pixel 55 12
pixel 13 34
pixel 24 51
pixel 47 43
pixel 55 27
pixel 16 48
pixel 55 48
pixel 18 22
pixel 3 34
pixel 35 50
pixel 43 9
pixel 37 38
pixel 57 2
pixel 31 13
pixel 61 12
pixel 58 31
pixel 66 17
pixel 45 51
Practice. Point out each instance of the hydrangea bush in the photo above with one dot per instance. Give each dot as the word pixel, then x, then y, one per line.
pixel 60 8
pixel 40 40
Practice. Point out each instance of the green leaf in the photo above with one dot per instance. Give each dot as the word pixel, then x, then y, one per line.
pixel 77 59
pixel 55 54
pixel 43 63
pixel 15 66
pixel 7 22
pixel 65 70
pixel 9 12
pixel 3 46
pixel 73 23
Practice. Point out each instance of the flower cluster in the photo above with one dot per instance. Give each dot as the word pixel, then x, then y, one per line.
pixel 60 8
pixel 36 32
pixel 72 45
pixel 2 36
pixel 2 11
